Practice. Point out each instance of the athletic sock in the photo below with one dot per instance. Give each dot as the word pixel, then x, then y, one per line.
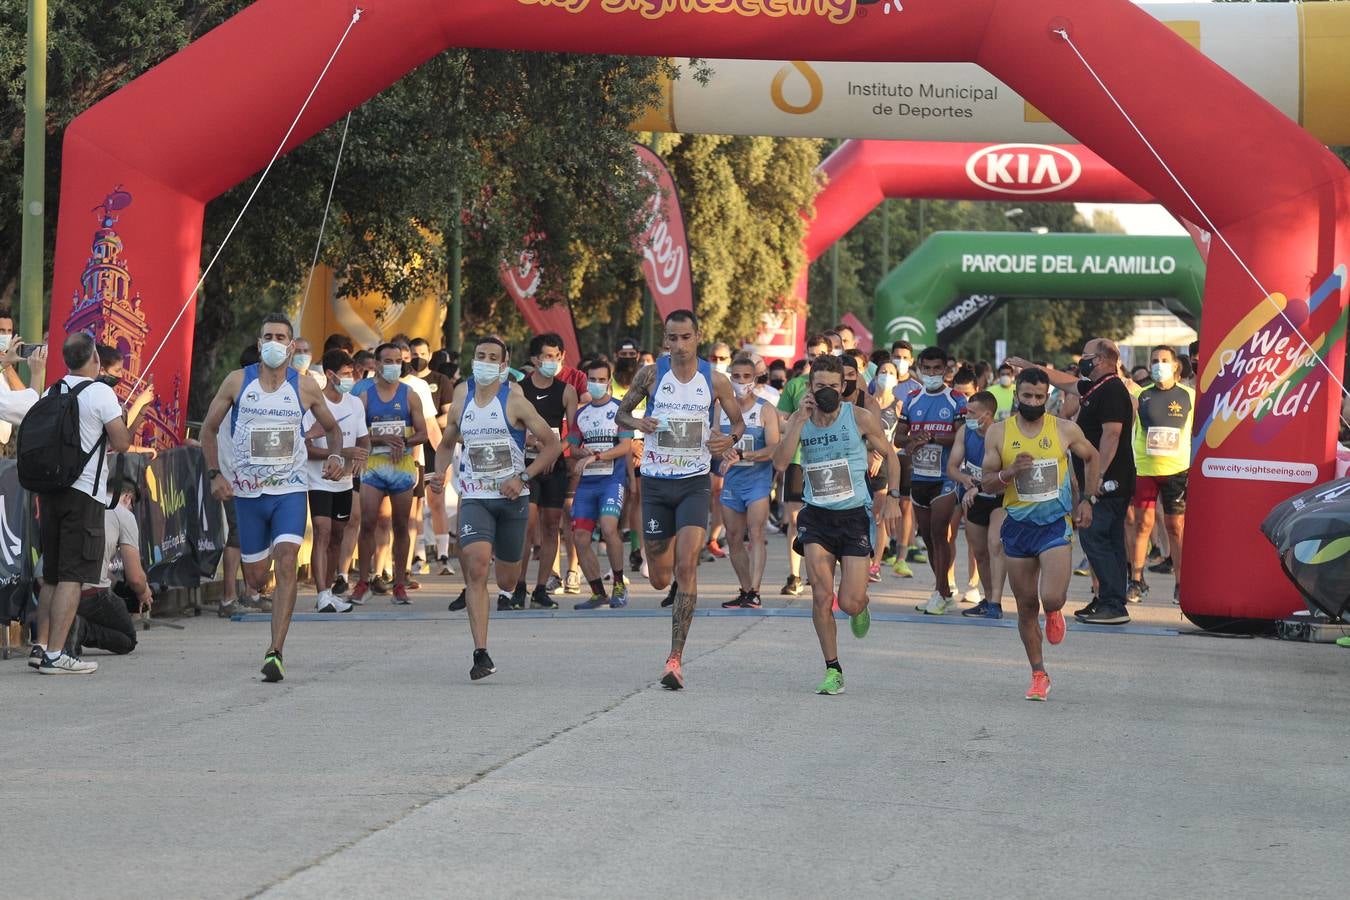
pixel 1039 667
pixel 52 657
pixel 834 664
pixel 442 546
pixel 632 541
pixel 598 586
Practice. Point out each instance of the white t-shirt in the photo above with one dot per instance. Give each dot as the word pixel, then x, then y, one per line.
pixel 14 405
pixel 98 407
pixel 768 393
pixel 119 527
pixel 350 413
pixel 429 411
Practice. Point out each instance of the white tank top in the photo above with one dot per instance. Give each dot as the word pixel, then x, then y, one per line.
pixel 493 450
pixel 599 433
pixel 268 452
pixel 680 448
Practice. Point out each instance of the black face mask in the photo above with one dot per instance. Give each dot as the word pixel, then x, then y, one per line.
pixel 827 399
pixel 418 364
pixel 849 388
pixel 1085 367
pixel 1029 412
pixel 777 383
pixel 111 381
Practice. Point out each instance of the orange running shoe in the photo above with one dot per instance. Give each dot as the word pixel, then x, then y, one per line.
pixel 1040 686
pixel 1054 626
pixel 672 679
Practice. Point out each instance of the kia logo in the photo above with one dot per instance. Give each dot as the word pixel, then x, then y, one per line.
pixel 1023 169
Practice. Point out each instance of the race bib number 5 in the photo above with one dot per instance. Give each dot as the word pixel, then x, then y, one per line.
pixel 272 446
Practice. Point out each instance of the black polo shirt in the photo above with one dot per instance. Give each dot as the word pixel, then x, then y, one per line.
pixel 1102 401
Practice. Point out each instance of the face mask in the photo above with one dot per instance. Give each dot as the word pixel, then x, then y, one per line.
pixel 486 372
pixel 850 387
pixel 300 361
pixel 886 381
pixel 597 389
pixel 973 423
pixel 1004 380
pixel 777 383
pixel 273 354
pixel 1029 412
pixel 827 398
pixel 418 364
pixel 550 368
pixel 5 341
pixel 1161 372
pixel 741 389
pixel 391 372
pixel 110 380
pixel 901 366
pixel 346 384
pixel 839 352
pixel 933 383
pixel 1086 365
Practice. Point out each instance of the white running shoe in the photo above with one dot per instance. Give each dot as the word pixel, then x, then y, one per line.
pixel 936 605
pixel 972 595
pixel 322 600
pixel 328 603
pixel 65 664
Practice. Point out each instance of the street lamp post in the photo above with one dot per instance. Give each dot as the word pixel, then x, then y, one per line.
pixel 31 268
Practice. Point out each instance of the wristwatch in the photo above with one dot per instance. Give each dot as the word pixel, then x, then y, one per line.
pixel 895 494
pixel 212 474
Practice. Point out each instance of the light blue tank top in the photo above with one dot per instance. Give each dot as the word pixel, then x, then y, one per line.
pixel 834 463
pixel 752 439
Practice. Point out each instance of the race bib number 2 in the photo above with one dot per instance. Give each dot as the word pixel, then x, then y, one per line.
pixel 830 481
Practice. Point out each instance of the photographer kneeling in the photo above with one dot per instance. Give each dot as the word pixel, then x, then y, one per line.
pixel 103 621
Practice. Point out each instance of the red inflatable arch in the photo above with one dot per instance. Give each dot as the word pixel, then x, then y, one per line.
pixel 150 156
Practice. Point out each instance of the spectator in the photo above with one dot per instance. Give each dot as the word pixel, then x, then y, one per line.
pixel 103 621
pixel 627 349
pixel 1003 390
pixel 15 398
pixel 1139 375
pixel 72 519
pixel 778 374
pixel 110 373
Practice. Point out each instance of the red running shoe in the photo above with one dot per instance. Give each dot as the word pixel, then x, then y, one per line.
pixel 1054 626
pixel 400 596
pixel 716 550
pixel 1040 686
pixel 672 679
pixel 359 592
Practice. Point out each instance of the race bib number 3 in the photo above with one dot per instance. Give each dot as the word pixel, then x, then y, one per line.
pixel 681 434
pixel 1163 441
pixel 928 461
pixel 272 446
pixel 830 481
pixel 1039 483
pixel 491 460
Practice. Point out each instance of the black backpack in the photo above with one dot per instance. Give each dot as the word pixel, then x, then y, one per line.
pixel 51 456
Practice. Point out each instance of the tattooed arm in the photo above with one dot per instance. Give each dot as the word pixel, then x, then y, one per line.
pixel 640 390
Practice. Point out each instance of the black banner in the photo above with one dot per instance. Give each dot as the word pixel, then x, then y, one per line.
pixel 18 537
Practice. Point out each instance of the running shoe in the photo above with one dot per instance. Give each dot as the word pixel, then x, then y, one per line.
pixel 737 603
pixel 993 611
pixel 504 602
pixel 860 623
pixel 554 583
pixel 595 602
pixel 380 585
pixel 412 584
pixel 619 598
pixel 1082 568
pixel 339 586
pixel 1040 686
pixel 256 603
pixel 1136 591
pixel 459 602
pixel 874 573
pixel 889 558
pixel 902 569
pixel 482 665
pixel 833 683
pixel 1162 567
pixel 670 595
pixel 65 664
pixel 1054 626
pixel 519 597
pixel 672 679
pixel 446 568
pixel 331 604
pixel 1106 615
pixel 540 599
pixel 359 592
pixel 419 566
pixel 1340 642
pixel 35 656
pixel 224 610
pixel 793 587
pixel 635 560
pixel 916 555
pixel 752 600
pixel 936 605
pixel 977 611
pixel 715 550
pixel 572 584
pixel 973 595
pixel 272 670
pixel 1087 610
pixel 400 595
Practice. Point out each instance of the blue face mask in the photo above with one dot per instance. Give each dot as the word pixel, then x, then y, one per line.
pixel 346 384
pixel 1161 372
pixel 391 372
pixel 300 362
pixel 273 354
pixel 486 372
pixel 549 368
pixel 596 389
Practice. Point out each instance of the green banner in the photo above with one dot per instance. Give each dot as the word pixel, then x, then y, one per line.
pixel 952 264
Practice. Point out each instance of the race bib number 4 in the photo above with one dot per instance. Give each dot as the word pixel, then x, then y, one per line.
pixel 490 460
pixel 272 445
pixel 1163 441
pixel 829 481
pixel 928 461
pixel 1039 483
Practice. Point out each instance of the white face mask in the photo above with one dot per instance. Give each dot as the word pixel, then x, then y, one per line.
pixel 1004 380
pixel 486 372
pixel 933 383
pixel 5 341
pixel 273 354
pixel 901 366
pixel 300 362
pixel 597 389
pixel 1161 372
pixel 741 389
pixel 886 381
pixel 721 367
pixel 839 352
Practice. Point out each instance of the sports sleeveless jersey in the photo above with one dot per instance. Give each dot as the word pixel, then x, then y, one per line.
pixel 387 418
pixel 269 453
pixel 493 450
pixel 834 463
pixel 1041 494
pixel 599 433
pixel 938 413
pixel 1162 430
pixel 548 402
pixel 973 445
pixel 890 418
pixel 753 439
pixel 679 449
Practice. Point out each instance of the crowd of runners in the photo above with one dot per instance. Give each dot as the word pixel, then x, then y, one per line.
pixel 636 462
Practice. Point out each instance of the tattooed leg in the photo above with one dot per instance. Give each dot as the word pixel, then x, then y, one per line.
pixel 681 615
pixel 688 543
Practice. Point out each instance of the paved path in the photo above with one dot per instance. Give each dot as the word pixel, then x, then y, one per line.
pixel 1165 764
